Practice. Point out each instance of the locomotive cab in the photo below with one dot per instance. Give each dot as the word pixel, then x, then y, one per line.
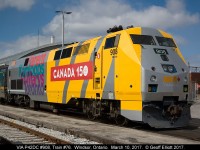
pixel 165 85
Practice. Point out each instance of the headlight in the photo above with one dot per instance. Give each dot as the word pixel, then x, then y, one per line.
pixel 171 68
pixel 165 68
pixel 153 79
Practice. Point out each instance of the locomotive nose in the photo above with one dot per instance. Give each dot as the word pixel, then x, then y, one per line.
pixel 163 73
pixel 165 87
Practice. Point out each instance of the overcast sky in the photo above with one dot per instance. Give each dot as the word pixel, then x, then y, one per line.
pixel 22 19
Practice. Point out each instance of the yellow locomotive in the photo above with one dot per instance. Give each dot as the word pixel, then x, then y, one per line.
pixel 136 74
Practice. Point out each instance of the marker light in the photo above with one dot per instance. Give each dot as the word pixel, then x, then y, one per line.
pixel 171 69
pixel 152 87
pixel 165 68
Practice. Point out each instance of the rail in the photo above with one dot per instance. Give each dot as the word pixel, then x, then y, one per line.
pixel 34 132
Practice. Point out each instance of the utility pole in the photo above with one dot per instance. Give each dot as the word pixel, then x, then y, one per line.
pixel 38 40
pixel 63 13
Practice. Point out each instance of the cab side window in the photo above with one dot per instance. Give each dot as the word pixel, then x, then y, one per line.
pixel 110 42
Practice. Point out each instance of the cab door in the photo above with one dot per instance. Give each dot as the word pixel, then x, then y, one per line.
pixel 98 57
pixel 109 56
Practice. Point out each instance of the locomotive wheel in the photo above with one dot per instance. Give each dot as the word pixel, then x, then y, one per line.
pixel 121 121
pixel 20 102
pixel 9 99
pixel 2 101
pixel 90 111
pixel 91 116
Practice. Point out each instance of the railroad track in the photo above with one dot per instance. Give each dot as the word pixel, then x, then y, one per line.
pixel 192 132
pixel 18 134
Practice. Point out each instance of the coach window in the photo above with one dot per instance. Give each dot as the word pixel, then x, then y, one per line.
pixel 13 84
pixel 26 62
pixel 110 42
pixel 66 53
pixel 57 55
pixel 19 84
pixel 2 77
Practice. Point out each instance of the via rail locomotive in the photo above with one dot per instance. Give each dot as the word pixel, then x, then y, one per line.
pixel 136 74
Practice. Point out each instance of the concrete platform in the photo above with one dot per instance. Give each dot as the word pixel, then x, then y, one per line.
pixel 195 109
pixel 103 133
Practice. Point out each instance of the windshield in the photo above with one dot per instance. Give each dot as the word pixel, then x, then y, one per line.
pixel 142 39
pixel 162 41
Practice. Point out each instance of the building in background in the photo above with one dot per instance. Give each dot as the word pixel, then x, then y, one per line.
pixel 195 77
